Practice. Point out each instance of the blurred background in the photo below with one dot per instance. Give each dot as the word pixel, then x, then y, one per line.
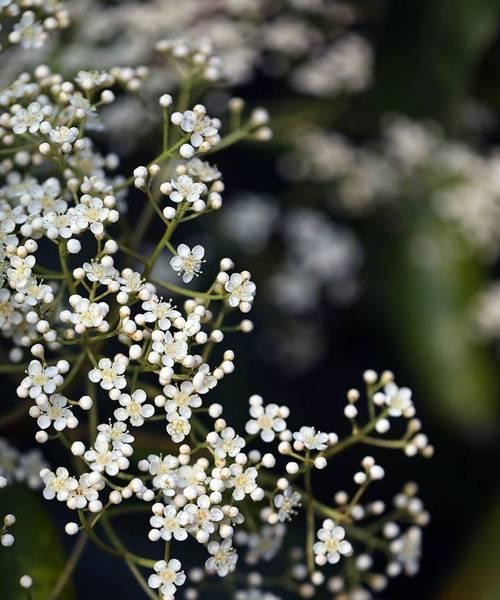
pixel 371 224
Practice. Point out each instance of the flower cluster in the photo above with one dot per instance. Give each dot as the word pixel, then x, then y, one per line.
pixel 117 358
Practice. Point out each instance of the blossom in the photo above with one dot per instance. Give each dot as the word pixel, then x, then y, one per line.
pixel 331 545
pixel 397 399
pixel 203 517
pixel 168 577
pixel 30 118
pixel 243 481
pixel 241 291
pixel 312 439
pixel 408 548
pixel 41 379
pixel 226 443
pixel 59 484
pixel 170 522
pixel 85 314
pixel 186 189
pixel 172 349
pixel 109 373
pixel 267 420
pixel 204 381
pixel 286 503
pixel 201 127
pixel 54 410
pixel 102 271
pixel 182 398
pixel 188 261
pixel 178 426
pixel 160 312
pixel 223 558
pixel 133 408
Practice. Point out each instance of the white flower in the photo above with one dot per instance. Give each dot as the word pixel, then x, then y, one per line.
pixel 164 472
pixel 312 439
pixel 408 549
pixel 41 379
pixel 29 119
pixel 168 577
pixel 201 127
pixel 89 485
pixel 58 484
pixel 28 31
pixel 101 271
pixel 181 399
pixel 133 408
pixel 117 435
pixel 267 420
pixel 20 271
pixel 204 381
pixel 188 261
pixel 331 544
pixel 242 480
pixel 223 559
pixel 63 135
pixel 172 349
pixel 241 290
pixel 398 400
pixel 109 374
pixel 55 411
pixel 203 170
pixel 102 458
pixel 178 427
pixel 86 314
pixel 203 517
pixel 91 213
pixel 186 189
pixel 286 503
pixel 160 312
pixel 170 522
pixel 226 443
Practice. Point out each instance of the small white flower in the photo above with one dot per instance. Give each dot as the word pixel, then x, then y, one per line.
pixel 168 577
pixel 41 379
pixel 63 135
pixel 171 523
pixel 397 399
pixel 202 516
pixel 160 312
pixel 242 480
pixel 55 411
pixel 204 381
pixel 29 119
pixel 100 271
pixel 199 125
pixel 408 549
pixel 226 443
pixel 58 484
pixel 267 420
pixel 110 374
pixel 286 503
pixel 241 290
pixel 181 399
pixel 103 458
pixel 178 427
pixel 188 261
pixel 331 544
pixel 312 439
pixel 172 349
pixel 223 559
pixel 186 189
pixel 133 408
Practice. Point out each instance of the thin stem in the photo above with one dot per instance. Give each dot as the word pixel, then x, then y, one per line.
pixel 310 533
pixel 70 566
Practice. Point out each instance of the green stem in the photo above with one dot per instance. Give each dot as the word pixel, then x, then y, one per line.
pixel 69 567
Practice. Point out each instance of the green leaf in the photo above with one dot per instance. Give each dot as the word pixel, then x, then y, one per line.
pixel 37 550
